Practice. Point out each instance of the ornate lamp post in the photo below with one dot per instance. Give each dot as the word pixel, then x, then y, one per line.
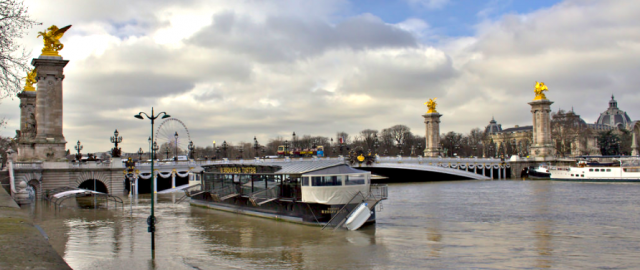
pixel 166 152
pixel 473 149
pixel 152 219
pixel 115 152
pixel 333 149
pixel 419 148
pixel 224 148
pixel 240 150
pixel 213 149
pixel 78 149
pixel 256 146
pixel 217 152
pixel 175 157
pixel 192 150
pixel 293 142
pixel 376 143
pixel 413 150
pixel 140 154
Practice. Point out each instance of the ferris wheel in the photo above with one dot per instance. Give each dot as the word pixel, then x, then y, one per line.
pixel 170 132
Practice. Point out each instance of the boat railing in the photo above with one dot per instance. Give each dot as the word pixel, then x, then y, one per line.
pixel 341 215
pixel 265 196
pixel 379 192
pixel 190 192
pixel 223 193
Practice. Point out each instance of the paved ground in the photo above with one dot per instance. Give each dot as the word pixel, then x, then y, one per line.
pixel 22 246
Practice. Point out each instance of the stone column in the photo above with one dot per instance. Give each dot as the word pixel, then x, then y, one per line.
pixel 27 131
pixel 542 146
pixel 173 178
pixel 634 144
pixel 50 142
pixel 432 144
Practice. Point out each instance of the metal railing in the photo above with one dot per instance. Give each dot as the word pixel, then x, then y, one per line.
pixel 379 192
pixel 264 196
pixel 341 216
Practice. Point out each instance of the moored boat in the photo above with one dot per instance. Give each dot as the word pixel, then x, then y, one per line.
pixel 620 170
pixel 541 172
pixel 317 193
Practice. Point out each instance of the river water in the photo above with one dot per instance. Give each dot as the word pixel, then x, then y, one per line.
pixel 434 225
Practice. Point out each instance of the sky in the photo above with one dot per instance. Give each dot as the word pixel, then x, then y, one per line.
pixel 232 70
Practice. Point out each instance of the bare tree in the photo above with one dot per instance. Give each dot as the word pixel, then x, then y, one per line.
pixel 367 137
pixel 14 21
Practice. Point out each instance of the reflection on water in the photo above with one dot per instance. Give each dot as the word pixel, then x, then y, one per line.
pixel 439 225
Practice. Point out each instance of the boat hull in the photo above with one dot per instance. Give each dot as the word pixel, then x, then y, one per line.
pixel 295 212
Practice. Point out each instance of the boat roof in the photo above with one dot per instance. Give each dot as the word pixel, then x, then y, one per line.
pixel 317 167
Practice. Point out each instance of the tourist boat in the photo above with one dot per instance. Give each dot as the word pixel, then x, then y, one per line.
pixel 620 170
pixel 541 172
pixel 323 193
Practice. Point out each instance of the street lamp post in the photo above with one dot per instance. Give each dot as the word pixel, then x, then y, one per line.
pixel 192 149
pixel 140 154
pixel 419 149
pixel 115 152
pixel 151 221
pixel 256 146
pixel 224 148
pixel 78 148
pixel 240 149
pixel 175 157
pixel 376 143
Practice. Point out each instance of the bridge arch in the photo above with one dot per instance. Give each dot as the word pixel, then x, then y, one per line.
pixel 418 172
pixel 99 185
pixel 33 181
pixel 83 178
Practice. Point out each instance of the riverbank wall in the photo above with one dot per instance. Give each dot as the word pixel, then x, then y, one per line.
pixel 22 244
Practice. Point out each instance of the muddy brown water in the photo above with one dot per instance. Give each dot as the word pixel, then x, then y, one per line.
pixel 435 225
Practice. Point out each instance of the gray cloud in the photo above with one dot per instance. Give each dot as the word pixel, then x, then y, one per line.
pixel 260 70
pixel 288 38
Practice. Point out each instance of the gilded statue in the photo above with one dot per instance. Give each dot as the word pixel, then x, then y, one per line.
pixel 431 105
pixel 540 87
pixel 30 80
pixel 51 38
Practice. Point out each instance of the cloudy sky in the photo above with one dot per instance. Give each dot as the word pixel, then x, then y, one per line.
pixel 231 70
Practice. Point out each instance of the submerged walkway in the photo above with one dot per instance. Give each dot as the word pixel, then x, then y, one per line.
pixel 22 245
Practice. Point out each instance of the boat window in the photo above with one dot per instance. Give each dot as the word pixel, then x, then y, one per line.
pixel 355 179
pixel 582 175
pixel 608 170
pixel 318 181
pixel 571 174
pixel 597 170
pixel 590 170
pixel 305 181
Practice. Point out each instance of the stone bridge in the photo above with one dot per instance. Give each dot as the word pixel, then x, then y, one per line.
pixel 111 177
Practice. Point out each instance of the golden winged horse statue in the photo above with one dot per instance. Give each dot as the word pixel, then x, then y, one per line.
pixel 431 105
pixel 51 38
pixel 540 88
pixel 30 80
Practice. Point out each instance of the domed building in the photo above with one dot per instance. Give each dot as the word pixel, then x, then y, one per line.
pixel 493 127
pixel 614 117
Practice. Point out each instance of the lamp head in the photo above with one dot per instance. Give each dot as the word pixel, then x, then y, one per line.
pixel 166 116
pixel 138 116
pixel 116 133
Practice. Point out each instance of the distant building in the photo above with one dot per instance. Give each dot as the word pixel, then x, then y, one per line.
pixel 517 139
pixel 614 117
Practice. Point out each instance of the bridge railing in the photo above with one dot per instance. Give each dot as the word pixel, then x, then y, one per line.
pixel 27 165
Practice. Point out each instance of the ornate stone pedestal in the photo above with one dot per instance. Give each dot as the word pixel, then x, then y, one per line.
pixel 48 142
pixel 542 146
pixel 432 122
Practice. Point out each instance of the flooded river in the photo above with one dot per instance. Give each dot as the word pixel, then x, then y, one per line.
pixel 437 225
